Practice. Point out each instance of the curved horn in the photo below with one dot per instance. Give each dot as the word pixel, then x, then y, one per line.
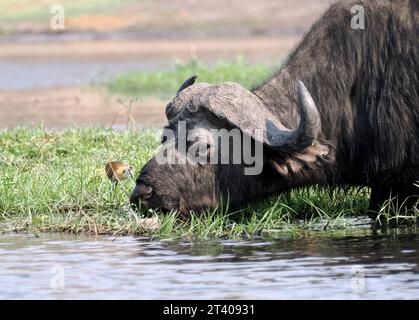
pixel 310 124
pixel 187 83
pixel 307 130
pixel 246 111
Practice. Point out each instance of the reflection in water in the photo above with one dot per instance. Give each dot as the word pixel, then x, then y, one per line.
pixel 311 266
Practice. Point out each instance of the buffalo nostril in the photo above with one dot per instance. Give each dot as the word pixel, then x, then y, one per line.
pixel 145 192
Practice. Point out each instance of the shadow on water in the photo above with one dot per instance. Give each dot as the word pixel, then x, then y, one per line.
pixel 308 266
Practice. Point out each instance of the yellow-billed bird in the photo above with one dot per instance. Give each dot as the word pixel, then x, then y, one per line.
pixel 117 171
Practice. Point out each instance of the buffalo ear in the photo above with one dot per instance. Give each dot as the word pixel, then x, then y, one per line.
pixel 310 158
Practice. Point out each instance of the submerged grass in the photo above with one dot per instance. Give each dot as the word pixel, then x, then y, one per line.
pixel 55 182
pixel 164 84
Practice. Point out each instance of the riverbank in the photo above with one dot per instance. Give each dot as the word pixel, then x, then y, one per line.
pixel 67 107
pixel 55 182
pixel 106 102
pixel 63 84
pixel 254 48
pixel 159 18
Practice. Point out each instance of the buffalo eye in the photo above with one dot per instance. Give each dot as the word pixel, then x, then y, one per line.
pixel 201 152
pixel 197 151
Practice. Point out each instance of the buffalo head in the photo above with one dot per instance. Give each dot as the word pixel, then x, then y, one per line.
pixel 223 143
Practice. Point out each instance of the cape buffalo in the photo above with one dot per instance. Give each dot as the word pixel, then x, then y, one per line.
pixel 342 111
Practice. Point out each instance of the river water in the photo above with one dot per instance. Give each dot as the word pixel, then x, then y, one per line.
pixel 39 74
pixel 311 266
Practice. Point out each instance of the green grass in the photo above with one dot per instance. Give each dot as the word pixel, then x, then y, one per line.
pixel 55 182
pixel 164 84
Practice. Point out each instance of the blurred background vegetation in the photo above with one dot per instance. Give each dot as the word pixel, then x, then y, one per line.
pixel 208 17
pixel 110 50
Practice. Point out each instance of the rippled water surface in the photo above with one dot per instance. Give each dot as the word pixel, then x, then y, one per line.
pixel 307 266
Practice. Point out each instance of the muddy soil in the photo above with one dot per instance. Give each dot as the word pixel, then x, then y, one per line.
pixel 68 107
pixel 42 82
pixel 43 71
pixel 168 19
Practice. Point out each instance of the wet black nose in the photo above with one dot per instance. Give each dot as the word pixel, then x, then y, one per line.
pixel 142 192
pixel 145 192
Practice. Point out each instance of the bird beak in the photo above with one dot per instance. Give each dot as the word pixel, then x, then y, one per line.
pixel 130 174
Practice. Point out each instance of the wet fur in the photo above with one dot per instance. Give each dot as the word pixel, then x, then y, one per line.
pixel 365 86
